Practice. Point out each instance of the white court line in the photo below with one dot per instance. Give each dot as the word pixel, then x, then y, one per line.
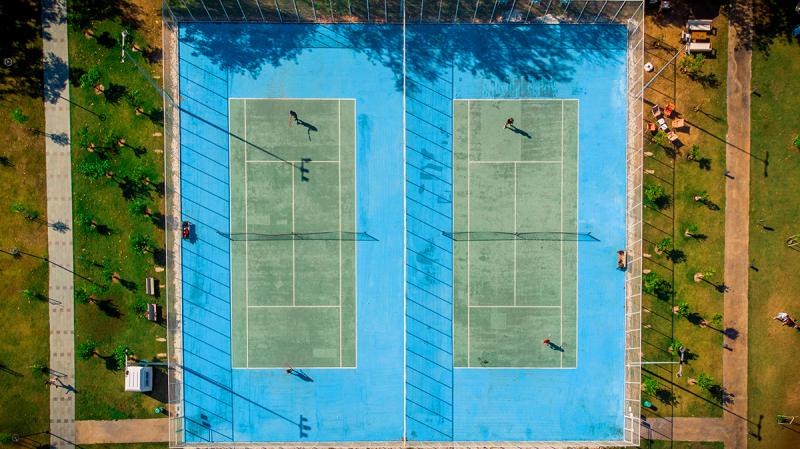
pixel 514 242
pixel 293 162
pixel 577 212
pixel 301 306
pixel 469 287
pixel 355 225
pixel 246 250
pixel 293 253
pixel 516 162
pixel 339 167
pixel 561 255
pixel 517 99
pixel 292 99
pixel 515 307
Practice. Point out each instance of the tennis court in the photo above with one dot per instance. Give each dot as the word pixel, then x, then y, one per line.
pixel 292 225
pixel 511 292
pixel 399 246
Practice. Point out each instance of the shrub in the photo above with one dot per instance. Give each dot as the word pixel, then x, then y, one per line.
pixel 649 386
pixel 716 320
pixel 655 196
pixel 119 356
pixel 87 349
pixel 90 79
pixel 94 169
pixel 138 207
pixel 141 243
pixel 28 294
pixel 797 142
pixel 82 295
pixel 6 438
pixel 139 307
pixel 694 153
pixel 86 220
pixel 660 139
pixel 18 116
pixel 38 368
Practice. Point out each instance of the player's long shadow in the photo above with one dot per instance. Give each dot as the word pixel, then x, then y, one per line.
pixel 300 374
pixel 555 347
pixel 521 132
pixel 309 127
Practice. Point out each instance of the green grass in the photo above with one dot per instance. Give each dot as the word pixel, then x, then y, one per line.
pixel 657 444
pixel 704 109
pixel 774 188
pixel 24 405
pixel 106 249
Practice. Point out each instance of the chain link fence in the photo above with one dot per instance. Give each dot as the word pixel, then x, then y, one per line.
pixel 629 13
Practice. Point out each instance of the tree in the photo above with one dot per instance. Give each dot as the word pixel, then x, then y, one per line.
pixel 90 79
pixel 6 438
pixel 664 245
pixel 692 66
pixel 705 382
pixel 797 142
pixel 654 284
pixel 716 320
pixel 18 116
pixel 87 349
pixel 674 346
pixel 690 230
pixel 681 309
pixel 141 243
pixel 655 196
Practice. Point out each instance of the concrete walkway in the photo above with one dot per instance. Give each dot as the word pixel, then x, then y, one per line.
pixel 737 224
pixel 59 216
pixel 125 431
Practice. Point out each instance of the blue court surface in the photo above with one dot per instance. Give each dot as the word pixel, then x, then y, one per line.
pixel 404 83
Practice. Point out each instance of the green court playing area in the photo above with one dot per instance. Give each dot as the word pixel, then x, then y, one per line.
pixel 511 292
pixel 293 191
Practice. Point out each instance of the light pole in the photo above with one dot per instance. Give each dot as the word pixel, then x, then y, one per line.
pixel 124 34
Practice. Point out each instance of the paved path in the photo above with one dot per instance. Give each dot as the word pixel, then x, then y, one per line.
pixel 732 428
pixel 59 215
pixel 125 431
pixel 684 429
pixel 737 224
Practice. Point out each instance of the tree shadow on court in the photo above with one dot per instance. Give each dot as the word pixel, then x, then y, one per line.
pixel 494 52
